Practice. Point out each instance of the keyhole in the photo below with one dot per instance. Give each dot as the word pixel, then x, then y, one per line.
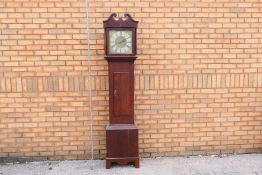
pixel 115 92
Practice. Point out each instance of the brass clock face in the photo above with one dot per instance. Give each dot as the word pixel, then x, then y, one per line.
pixel 120 42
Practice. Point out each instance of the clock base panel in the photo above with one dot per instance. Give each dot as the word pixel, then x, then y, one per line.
pixel 122 144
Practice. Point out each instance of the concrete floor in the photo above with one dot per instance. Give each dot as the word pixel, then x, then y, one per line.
pixel 245 164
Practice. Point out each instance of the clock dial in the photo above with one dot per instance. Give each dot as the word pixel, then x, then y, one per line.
pixel 120 42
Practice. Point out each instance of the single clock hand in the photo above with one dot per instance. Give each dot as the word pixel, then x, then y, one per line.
pixel 123 40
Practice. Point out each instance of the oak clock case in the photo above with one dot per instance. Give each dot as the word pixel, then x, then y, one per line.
pixel 120 52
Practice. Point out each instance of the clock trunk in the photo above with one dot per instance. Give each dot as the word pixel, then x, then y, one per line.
pixel 121 92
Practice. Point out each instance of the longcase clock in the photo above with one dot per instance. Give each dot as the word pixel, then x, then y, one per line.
pixel 120 52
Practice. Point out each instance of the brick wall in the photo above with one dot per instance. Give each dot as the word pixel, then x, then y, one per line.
pixel 198 77
pixel 43 79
